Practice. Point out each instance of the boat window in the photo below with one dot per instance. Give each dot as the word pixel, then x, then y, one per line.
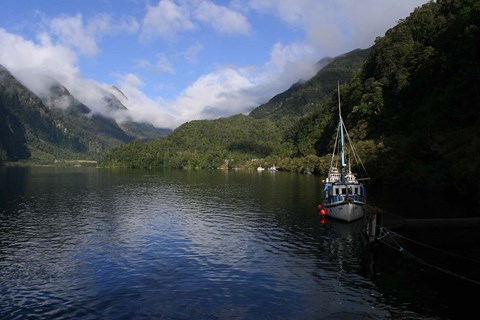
pixel 356 190
pixel 337 191
pixel 344 190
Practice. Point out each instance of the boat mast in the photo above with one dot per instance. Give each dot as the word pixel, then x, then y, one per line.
pixel 342 139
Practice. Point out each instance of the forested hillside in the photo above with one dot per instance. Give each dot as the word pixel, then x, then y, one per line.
pixel 265 134
pixel 417 100
pixel 305 97
pixel 413 108
pixel 204 144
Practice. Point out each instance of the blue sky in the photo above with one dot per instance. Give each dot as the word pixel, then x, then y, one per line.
pixel 180 60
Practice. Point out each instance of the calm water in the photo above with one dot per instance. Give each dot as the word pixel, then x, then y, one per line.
pixel 86 243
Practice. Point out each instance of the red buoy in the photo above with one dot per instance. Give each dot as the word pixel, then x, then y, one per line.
pixel 322 210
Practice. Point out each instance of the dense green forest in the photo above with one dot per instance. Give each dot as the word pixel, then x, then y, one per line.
pixel 261 139
pixel 305 97
pixel 412 108
pixel 225 142
pixel 418 97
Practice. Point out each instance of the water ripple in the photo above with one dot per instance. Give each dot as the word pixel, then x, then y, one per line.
pixel 90 244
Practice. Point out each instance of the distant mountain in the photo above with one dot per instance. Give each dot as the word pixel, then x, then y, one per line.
pixel 56 125
pixel 202 144
pixel 139 130
pixel 238 133
pixel 239 138
pixel 304 97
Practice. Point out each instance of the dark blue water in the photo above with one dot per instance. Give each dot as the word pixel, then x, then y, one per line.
pixel 86 243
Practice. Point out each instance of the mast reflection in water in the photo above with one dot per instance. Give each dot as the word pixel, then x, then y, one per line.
pixel 86 243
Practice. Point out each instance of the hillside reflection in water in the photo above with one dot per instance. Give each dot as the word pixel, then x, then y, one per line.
pixel 97 243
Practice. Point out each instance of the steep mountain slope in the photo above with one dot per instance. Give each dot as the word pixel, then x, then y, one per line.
pixel 25 120
pixel 58 126
pixel 137 130
pixel 94 131
pixel 13 143
pixel 416 103
pixel 305 97
pixel 427 73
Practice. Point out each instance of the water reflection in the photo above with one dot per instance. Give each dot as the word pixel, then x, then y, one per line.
pixel 90 243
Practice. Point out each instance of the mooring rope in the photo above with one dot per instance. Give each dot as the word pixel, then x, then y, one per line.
pixel 384 233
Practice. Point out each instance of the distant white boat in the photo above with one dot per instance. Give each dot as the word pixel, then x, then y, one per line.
pixel 260 168
pixel 344 196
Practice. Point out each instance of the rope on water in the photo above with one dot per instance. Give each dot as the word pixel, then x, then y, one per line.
pixel 386 233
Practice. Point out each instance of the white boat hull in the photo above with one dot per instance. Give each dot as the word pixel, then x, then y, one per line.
pixel 346 211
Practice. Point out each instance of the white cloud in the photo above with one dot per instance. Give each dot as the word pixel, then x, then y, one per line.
pixel 214 94
pixel 169 17
pixel 295 59
pixel 73 32
pixel 329 28
pixel 70 31
pixel 165 20
pixel 231 90
pixel 142 108
pixel 162 64
pixel 335 27
pixel 222 19
pixel 57 61
pixel 191 54
pixel 38 65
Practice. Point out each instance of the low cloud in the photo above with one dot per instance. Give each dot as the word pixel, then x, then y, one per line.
pixel 43 57
pixel 142 108
pixel 39 65
pixel 335 27
pixel 231 90
pixel 329 28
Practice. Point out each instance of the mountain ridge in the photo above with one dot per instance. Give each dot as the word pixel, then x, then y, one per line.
pixel 55 125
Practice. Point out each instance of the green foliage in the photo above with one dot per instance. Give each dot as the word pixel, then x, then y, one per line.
pixel 143 131
pixel 306 97
pixel 203 144
pixel 418 97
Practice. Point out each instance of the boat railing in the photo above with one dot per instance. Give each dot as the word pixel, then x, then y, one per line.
pixel 342 198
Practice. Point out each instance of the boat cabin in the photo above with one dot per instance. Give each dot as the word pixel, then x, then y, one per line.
pixel 341 191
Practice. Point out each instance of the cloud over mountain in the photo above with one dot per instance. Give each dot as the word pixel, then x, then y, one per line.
pixel 178 60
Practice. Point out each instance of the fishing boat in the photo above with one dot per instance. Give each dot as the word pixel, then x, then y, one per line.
pixel 344 196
